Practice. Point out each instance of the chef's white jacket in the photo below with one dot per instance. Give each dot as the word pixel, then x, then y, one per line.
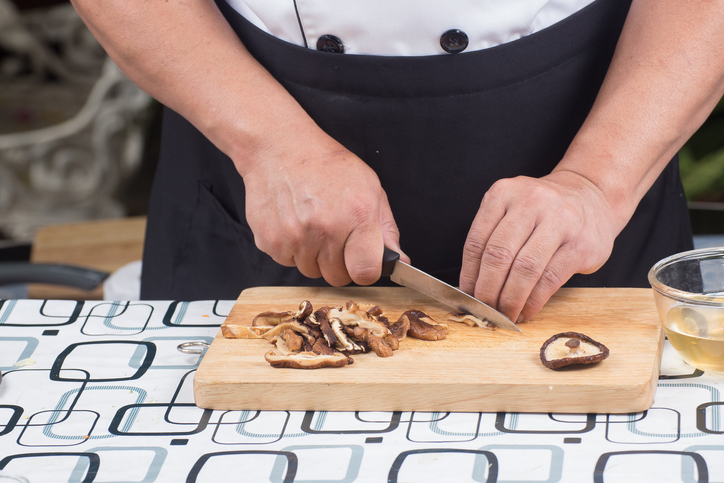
pixel 404 27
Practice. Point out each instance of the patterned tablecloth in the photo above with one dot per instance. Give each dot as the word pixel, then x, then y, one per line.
pixel 98 392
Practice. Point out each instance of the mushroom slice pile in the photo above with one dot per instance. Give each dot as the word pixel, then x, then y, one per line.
pixel 571 348
pixel 330 335
pixel 326 337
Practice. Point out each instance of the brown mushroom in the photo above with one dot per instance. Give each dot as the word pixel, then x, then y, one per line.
pixel 400 328
pixel 424 327
pixel 377 344
pixel 317 316
pixel 305 310
pixel 392 341
pixel 327 336
pixel 306 360
pixel 327 332
pixel 239 331
pixel 344 343
pixel 359 318
pixel 274 332
pixel 272 318
pixel 320 347
pixel 294 341
pixel 571 348
pixel 469 320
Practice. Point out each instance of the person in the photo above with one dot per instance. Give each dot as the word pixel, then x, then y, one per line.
pixel 512 170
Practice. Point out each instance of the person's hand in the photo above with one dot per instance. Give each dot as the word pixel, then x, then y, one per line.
pixel 320 208
pixel 530 236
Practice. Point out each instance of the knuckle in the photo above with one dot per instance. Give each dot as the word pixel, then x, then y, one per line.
pixel 498 256
pixel 495 195
pixel 569 216
pixel 271 245
pixel 473 248
pixel 508 303
pixel 550 280
pixel 361 212
pixel 527 267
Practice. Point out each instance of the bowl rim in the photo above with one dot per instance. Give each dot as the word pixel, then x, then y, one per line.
pixel 682 295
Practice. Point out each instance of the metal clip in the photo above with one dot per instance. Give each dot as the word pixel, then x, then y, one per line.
pixel 195 347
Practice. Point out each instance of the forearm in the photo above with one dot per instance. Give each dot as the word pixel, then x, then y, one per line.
pixel 300 203
pixel 185 54
pixel 665 78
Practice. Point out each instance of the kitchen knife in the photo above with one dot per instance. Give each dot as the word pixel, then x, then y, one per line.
pixel 408 276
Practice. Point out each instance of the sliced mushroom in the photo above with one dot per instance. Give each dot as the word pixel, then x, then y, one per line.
pixel 327 332
pixel 306 360
pixel 294 341
pixel 272 334
pixel 377 344
pixel 317 316
pixel 350 314
pixel 305 310
pixel 571 348
pixel 400 328
pixel 424 327
pixel 272 318
pixel 321 347
pixel 329 335
pixel 238 331
pixel 375 311
pixel 392 341
pixel 343 342
pixel 469 320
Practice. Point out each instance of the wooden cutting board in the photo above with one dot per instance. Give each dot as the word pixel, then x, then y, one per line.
pixel 472 370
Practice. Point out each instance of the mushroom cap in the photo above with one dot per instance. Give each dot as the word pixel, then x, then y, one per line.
pixel 559 352
pixel 305 310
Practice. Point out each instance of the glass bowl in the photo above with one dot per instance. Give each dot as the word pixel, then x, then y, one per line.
pixel 689 295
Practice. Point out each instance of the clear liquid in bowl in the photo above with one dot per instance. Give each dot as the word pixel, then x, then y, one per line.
pixel 698 336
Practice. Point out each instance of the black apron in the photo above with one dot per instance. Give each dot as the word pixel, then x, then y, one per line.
pixel 438 130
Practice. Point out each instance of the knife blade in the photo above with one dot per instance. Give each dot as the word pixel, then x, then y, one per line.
pixel 403 274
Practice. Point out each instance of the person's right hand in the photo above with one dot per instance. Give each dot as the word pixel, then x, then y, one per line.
pixel 317 206
pixel 310 202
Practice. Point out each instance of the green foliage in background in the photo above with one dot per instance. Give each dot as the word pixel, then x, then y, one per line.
pixel 701 160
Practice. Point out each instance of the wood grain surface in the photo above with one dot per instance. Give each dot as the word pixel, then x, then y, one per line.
pixel 472 370
pixel 104 245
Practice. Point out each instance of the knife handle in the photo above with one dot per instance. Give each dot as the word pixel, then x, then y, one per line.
pixel 389 258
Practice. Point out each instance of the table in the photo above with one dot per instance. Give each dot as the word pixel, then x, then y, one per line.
pixel 96 391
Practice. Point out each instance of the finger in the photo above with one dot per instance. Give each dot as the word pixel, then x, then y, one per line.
pixel 363 254
pixel 332 265
pixel 277 250
pixel 487 218
pixel 503 246
pixel 560 268
pixel 306 262
pixel 528 267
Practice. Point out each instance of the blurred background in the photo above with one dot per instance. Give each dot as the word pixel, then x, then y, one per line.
pixel 79 142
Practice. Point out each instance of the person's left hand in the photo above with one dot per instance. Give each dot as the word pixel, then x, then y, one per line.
pixel 530 236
